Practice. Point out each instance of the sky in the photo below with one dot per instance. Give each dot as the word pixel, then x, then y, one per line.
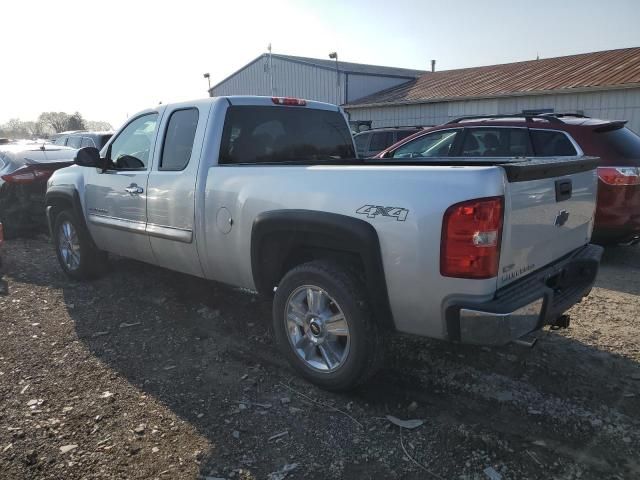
pixel 112 58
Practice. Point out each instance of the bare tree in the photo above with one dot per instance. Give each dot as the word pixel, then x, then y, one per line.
pixel 97 126
pixel 58 121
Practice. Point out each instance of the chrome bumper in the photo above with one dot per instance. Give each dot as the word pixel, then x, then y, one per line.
pixel 528 304
pixel 488 328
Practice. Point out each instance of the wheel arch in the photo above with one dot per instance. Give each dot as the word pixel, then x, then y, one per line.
pixel 63 197
pixel 282 239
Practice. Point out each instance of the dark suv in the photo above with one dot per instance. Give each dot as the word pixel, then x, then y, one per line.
pixel 81 138
pixel 617 217
pixel 372 142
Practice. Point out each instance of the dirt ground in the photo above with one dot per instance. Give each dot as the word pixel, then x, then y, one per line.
pixel 150 374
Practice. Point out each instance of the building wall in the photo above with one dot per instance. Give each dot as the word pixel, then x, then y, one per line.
pixel 292 79
pixel 610 104
pixel 363 85
pixel 289 80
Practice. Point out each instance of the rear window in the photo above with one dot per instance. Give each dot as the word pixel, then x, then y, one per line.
pixel 404 134
pixel 74 142
pixel 88 142
pixel 551 143
pixel 256 134
pixel 625 142
pixel 380 141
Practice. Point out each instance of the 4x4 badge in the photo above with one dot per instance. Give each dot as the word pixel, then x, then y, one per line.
pixel 372 211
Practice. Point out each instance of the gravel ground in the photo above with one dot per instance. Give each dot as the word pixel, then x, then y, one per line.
pixel 150 374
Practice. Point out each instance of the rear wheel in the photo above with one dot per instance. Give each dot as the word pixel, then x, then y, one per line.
pixel 324 327
pixel 77 255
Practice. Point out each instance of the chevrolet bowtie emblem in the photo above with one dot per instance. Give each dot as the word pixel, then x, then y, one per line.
pixel 561 218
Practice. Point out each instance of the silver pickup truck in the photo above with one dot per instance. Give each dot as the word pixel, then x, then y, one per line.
pixel 267 194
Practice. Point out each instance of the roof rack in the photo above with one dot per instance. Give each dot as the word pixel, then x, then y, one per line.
pixel 516 115
pixel 565 114
pixel 396 127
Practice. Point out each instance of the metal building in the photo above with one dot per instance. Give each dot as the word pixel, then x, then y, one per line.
pixel 311 78
pixel 600 84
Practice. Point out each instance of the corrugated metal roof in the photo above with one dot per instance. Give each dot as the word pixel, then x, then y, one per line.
pixel 353 67
pixel 617 68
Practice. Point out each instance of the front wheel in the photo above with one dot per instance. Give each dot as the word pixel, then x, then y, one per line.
pixel 324 327
pixel 77 255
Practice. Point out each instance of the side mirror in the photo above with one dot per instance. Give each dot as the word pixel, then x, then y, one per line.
pixel 88 157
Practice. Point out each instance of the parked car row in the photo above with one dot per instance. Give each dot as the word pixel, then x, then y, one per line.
pixel 617 218
pixel 80 138
pixel 25 168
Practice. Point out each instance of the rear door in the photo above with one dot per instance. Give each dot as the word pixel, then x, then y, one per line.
pixel 171 188
pixel 116 200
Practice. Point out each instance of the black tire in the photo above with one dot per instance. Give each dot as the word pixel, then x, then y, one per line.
pixel 92 262
pixel 8 229
pixel 366 347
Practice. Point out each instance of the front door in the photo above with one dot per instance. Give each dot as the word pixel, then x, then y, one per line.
pixel 116 200
pixel 171 188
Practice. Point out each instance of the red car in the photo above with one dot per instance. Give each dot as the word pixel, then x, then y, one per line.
pixel 617 217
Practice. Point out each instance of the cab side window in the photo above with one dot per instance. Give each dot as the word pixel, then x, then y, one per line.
pixel 178 139
pixel 130 150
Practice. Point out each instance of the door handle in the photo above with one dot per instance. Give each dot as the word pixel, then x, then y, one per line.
pixel 564 188
pixel 134 189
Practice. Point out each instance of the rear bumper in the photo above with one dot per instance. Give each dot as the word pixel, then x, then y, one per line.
pixel 528 304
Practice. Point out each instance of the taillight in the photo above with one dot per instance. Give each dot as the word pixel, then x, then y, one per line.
pixel 471 234
pixel 619 175
pixel 295 102
pixel 28 174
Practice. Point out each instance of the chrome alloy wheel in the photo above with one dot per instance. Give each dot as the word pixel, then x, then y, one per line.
pixel 69 246
pixel 317 328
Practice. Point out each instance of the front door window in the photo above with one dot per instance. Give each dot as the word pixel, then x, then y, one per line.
pixel 130 150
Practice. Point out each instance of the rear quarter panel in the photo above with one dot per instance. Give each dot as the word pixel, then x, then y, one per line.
pixel 410 248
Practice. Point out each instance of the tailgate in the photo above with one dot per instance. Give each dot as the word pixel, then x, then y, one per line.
pixel 549 211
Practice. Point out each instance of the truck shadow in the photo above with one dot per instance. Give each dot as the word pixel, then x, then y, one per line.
pixel 199 347
pixel 190 340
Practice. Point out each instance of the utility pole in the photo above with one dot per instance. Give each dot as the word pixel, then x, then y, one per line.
pixel 208 77
pixel 273 92
pixel 334 55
